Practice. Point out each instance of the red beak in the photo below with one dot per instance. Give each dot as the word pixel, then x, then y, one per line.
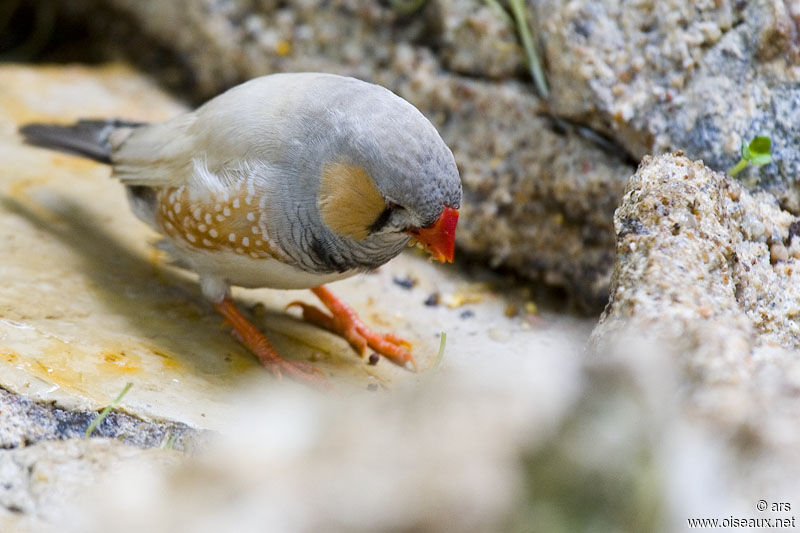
pixel 440 237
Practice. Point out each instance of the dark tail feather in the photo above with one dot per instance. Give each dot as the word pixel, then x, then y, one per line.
pixel 88 138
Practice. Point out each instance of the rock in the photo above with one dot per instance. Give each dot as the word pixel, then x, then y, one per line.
pixel 429 458
pixel 517 442
pixel 24 422
pixel 478 39
pixel 705 263
pixel 41 483
pixel 700 77
pixel 501 443
pixel 698 277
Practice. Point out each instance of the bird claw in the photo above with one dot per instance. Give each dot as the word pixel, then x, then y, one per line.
pixel 301 372
pixel 314 315
pixel 387 344
pixel 345 322
pixel 246 333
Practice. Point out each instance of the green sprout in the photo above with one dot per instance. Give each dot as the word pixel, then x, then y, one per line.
pixel 439 356
pixel 104 413
pixel 169 442
pixel 758 152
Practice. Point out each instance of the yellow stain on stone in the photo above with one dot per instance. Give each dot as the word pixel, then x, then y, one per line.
pixel 53 364
pixel 283 48
pixel 122 362
pixel 169 362
pixel 8 356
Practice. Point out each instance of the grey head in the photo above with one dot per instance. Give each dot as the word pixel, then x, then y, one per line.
pixel 355 126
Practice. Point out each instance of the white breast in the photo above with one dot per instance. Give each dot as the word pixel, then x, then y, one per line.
pixel 220 268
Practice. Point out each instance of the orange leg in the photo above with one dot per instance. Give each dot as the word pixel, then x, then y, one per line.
pixel 344 321
pixel 257 343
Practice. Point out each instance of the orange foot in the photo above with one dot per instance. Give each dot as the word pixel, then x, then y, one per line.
pixel 257 343
pixel 344 321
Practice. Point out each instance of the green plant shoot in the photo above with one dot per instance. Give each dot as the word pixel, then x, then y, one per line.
pixel 440 355
pixel 757 152
pixel 104 413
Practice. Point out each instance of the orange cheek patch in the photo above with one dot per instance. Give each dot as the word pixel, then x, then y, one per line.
pixel 348 200
pixel 214 224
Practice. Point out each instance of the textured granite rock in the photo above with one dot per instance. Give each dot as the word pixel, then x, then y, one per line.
pixel 709 274
pixel 682 75
pixel 24 422
pixel 477 39
pixel 707 264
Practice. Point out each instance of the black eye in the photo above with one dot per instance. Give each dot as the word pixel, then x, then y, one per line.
pixel 384 217
pixel 382 220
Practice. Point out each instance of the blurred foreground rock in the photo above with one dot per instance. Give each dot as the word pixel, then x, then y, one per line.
pixel 501 445
pixel 41 483
pixel 517 442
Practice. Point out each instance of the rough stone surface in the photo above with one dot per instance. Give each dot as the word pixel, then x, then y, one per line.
pixel 682 75
pixel 478 39
pixel 24 422
pixel 710 274
pixel 707 264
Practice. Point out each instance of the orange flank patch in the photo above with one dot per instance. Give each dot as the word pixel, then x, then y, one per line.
pixel 230 224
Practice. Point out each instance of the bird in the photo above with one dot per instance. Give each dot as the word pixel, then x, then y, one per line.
pixel 287 181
